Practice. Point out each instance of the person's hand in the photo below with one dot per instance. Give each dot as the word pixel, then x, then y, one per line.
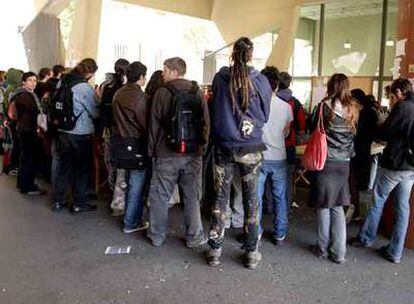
pixel 382 116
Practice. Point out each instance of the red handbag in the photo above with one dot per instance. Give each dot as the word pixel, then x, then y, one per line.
pixel 316 151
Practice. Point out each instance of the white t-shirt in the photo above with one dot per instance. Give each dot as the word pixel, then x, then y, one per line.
pixel 276 129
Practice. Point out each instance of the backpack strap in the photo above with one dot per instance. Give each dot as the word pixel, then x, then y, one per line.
pixel 173 90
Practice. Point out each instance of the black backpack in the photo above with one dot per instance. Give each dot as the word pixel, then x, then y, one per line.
pixel 186 119
pixel 61 108
pixel 107 97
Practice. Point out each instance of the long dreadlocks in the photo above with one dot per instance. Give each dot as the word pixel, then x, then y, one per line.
pixel 239 73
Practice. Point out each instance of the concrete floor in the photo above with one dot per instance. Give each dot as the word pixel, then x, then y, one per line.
pixel 59 258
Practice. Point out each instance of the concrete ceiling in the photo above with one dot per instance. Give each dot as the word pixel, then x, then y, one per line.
pixel 348 8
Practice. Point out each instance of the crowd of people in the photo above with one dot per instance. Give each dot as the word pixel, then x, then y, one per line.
pixel 232 151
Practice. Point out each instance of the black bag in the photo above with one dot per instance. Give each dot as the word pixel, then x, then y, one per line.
pixel 61 115
pixel 128 153
pixel 186 120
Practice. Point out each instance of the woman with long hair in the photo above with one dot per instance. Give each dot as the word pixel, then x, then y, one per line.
pixel 156 81
pixel 329 190
pixel 240 107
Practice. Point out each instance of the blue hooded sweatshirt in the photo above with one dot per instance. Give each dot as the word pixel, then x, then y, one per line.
pixel 226 121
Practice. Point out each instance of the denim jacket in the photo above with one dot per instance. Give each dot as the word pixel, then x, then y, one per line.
pixel 85 104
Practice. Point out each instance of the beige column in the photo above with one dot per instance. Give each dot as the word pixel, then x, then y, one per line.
pixel 284 46
pixel 235 18
pixel 84 37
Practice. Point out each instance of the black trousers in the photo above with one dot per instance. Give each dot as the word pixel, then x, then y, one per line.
pixel 72 163
pixel 30 146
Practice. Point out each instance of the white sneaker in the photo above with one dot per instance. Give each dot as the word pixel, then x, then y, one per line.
pixel 144 226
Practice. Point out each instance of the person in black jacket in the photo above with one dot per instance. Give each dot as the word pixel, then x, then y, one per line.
pixel 27 107
pixel 396 171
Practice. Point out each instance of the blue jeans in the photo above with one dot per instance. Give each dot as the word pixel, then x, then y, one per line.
pixel 277 170
pixel 186 171
pixel 386 181
pixel 134 198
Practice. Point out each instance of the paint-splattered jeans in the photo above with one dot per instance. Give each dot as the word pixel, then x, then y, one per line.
pixel 249 165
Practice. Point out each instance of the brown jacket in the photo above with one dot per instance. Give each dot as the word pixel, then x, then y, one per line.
pixel 158 145
pixel 130 112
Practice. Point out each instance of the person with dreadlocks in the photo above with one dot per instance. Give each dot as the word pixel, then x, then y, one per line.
pixel 241 105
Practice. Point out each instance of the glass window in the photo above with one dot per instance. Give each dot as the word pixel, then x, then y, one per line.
pixel 142 34
pixel 391 37
pixel 305 55
pixel 352 37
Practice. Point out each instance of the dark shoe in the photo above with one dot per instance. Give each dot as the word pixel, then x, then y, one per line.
pixel 318 252
pixel 383 251
pixel 355 242
pixel 213 257
pixel 84 208
pixel 57 206
pixel 91 196
pixel 252 259
pixel 241 238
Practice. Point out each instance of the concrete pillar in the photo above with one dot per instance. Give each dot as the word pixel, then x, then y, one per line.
pixel 284 46
pixel 84 37
pixel 236 18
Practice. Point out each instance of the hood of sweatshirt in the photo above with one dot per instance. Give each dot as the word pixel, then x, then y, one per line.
pixel 285 94
pixel 14 78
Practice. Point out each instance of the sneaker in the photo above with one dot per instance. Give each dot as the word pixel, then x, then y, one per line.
pixel 143 226
pixel 58 206
pixel 84 208
pixel 213 257
pixel 35 192
pixel 197 243
pixel 13 172
pixel 349 214
pixel 280 240
pixel 336 260
pixel 383 251
pixel 318 252
pixel 252 259
pixel 355 242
